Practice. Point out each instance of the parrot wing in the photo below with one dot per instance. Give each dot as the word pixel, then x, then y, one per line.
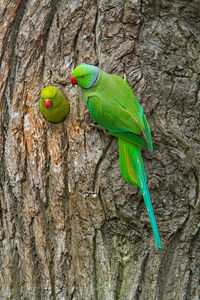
pixel 111 115
pixel 126 98
pixel 129 101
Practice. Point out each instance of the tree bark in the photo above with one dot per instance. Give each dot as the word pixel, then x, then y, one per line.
pixel 70 227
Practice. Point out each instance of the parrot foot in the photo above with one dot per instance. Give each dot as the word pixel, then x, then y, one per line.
pixel 124 76
pixel 65 148
pixel 100 127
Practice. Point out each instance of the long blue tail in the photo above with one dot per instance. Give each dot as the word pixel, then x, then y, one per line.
pixel 132 169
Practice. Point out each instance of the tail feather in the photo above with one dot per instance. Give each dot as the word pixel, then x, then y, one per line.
pixel 133 171
pixel 125 164
pixel 147 134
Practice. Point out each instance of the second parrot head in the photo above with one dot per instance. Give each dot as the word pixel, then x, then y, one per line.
pixel 85 75
pixel 49 95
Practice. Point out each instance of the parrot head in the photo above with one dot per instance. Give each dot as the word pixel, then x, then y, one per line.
pixel 49 95
pixel 85 75
pixel 53 105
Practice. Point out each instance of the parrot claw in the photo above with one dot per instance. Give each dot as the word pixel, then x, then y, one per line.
pixel 124 76
pixel 100 127
pixel 65 148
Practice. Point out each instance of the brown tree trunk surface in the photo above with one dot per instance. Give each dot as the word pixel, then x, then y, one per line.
pixel 70 227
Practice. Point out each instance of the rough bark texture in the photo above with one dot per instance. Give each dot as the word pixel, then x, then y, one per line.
pixel 70 228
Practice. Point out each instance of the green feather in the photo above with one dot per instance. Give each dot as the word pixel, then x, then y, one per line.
pixel 114 106
pixel 130 138
pixel 147 134
pixel 59 108
pixel 133 166
pixel 125 164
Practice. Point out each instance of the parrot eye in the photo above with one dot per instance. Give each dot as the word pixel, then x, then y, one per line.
pixel 82 76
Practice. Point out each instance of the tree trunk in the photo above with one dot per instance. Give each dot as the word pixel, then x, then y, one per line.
pixel 71 228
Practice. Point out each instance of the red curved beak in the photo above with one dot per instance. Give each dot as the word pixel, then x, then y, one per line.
pixel 47 103
pixel 73 80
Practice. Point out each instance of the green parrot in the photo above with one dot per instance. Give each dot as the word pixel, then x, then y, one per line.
pixel 53 105
pixel 113 105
